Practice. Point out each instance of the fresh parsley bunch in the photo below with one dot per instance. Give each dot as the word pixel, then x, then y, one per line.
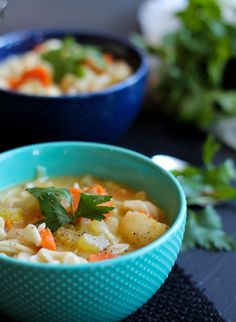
pixel 196 62
pixel 204 188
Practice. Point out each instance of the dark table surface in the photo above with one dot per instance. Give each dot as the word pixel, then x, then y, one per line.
pixel 213 272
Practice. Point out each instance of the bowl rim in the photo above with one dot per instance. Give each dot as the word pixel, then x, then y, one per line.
pixel 180 219
pixel 141 71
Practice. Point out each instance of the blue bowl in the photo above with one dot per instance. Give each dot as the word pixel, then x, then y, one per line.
pixel 100 116
pixel 95 292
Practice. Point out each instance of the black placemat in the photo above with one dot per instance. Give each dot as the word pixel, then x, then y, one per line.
pixel 177 300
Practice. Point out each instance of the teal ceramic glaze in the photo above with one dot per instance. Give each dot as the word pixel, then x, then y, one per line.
pixel 103 291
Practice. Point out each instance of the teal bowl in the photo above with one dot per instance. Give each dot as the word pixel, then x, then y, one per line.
pixel 104 291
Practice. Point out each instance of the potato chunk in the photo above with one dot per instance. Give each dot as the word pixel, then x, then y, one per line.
pixel 67 237
pixel 139 230
pixel 91 244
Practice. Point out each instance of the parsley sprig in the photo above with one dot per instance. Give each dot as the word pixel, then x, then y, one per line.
pixel 204 229
pixel 205 187
pixel 51 200
pixel 196 80
pixel 70 56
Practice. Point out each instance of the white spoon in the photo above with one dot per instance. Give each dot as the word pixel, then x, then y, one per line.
pixel 169 163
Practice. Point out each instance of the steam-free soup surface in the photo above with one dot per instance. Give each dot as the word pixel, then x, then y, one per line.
pixel 75 220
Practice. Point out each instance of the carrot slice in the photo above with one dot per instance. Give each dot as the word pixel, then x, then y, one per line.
pixel 38 48
pixel 47 239
pixel 109 59
pixel 101 256
pixel 92 64
pixel 8 224
pixel 13 83
pixel 75 194
pixel 39 73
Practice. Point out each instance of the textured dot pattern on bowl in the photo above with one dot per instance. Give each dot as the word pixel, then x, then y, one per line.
pixel 103 291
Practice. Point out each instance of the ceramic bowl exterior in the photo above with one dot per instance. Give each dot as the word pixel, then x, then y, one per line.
pixel 103 291
pixel 100 116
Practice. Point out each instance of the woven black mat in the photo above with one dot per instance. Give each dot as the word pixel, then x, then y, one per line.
pixel 177 300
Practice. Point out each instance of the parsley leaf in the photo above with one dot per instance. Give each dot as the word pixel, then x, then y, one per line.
pixel 204 229
pixel 60 193
pixel 70 57
pixel 50 202
pixel 210 148
pixel 55 214
pixel 88 206
pixel 211 183
pixel 203 188
pixel 195 81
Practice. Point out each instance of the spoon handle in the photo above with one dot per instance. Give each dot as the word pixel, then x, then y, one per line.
pixel 169 163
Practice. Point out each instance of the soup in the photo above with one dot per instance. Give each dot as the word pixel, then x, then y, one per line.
pixel 75 220
pixel 62 67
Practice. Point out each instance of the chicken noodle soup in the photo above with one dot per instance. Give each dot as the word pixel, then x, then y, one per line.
pixel 72 220
pixel 62 67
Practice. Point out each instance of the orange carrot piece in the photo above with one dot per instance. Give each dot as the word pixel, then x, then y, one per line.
pixel 13 83
pixel 35 217
pixel 108 57
pixel 8 224
pixel 90 63
pixel 101 256
pixel 38 48
pixel 107 204
pixel 75 194
pixel 47 239
pixel 39 73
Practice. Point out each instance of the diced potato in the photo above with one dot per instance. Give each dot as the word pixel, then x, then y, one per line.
pixel 118 248
pixel 27 202
pixel 92 244
pixel 141 195
pixel 13 214
pixel 100 227
pixel 139 230
pixel 113 224
pixel 142 206
pixel 67 237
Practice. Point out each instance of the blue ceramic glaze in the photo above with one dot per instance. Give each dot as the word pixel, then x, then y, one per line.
pixel 101 116
pixel 95 292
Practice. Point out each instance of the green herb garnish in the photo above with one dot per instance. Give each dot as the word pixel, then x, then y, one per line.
pixel 211 183
pixel 204 229
pixel 205 187
pixel 70 57
pixel 51 199
pixel 196 81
